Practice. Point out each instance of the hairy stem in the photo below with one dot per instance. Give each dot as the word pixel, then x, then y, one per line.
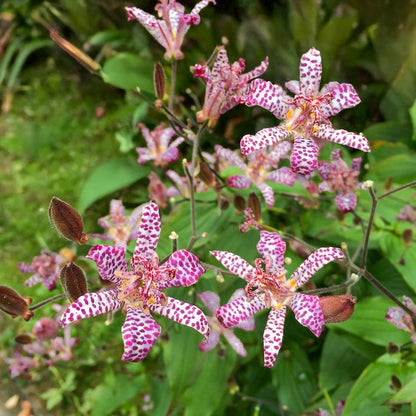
pixel 47 301
pixel 172 84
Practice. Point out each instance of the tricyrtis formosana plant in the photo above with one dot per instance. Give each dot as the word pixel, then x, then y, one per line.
pixel 291 200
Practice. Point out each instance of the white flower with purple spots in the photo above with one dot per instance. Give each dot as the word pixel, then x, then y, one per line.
pixel 138 291
pixel 401 319
pixel 226 85
pixel 212 301
pixel 261 167
pixel 170 30
pixel 268 287
pixel 341 179
pixel 306 114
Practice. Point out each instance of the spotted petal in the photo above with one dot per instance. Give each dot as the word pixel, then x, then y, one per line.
pixel 343 96
pixel 231 157
pixel 346 138
pixel 282 175
pixel 304 158
pixel 233 313
pixel 148 232
pixel 238 182
pixel 91 304
pixel 346 202
pixel 248 324
pixel 188 268
pixel 267 193
pixel 140 332
pixel 273 335
pixel 211 342
pixel 109 259
pixel 308 312
pixel 263 138
pixel 310 70
pixel 314 262
pixel 272 248
pixel 234 264
pixel 183 313
pixel 235 342
pixel 211 300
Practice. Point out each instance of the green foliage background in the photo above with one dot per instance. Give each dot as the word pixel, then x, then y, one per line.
pixel 53 143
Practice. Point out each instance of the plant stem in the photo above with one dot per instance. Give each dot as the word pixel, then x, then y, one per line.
pixel 46 301
pixel 172 83
pixel 413 183
pixel 369 226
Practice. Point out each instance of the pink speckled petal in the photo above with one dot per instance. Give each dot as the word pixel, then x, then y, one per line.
pixel 25 267
pixel 399 318
pixel 268 96
pixel 188 268
pixel 200 5
pixel 282 175
pixel 183 313
pixel 91 304
pixel 170 155
pixel 267 193
pixel 140 332
pixel 33 280
pixel 323 169
pixel 314 262
pixel 238 182
pixel 263 138
pixel 293 86
pixel 346 138
pixel 230 156
pixel 249 323
pixel 211 342
pixel 304 158
pixel 308 312
pixel 280 151
pixel 346 202
pixel 148 231
pixel 211 300
pixel 310 70
pixel 343 96
pixel 256 72
pixel 109 259
pixel 272 248
pixel 233 313
pixel 234 264
pixel 273 335
pixel 235 342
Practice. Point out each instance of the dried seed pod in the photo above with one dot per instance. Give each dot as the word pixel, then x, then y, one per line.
pixel 67 221
pixel 13 304
pixel 255 205
pixel 73 281
pixel 24 339
pixel 337 308
pixel 159 80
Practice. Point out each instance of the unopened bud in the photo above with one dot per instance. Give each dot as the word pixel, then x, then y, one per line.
pixel 73 281
pixel 224 204
pixel 67 221
pixel 344 246
pixel 354 277
pixel 337 308
pixel 369 184
pixel 76 53
pixel 23 339
pixel 13 304
pixel 239 203
pixel 173 235
pixel 392 348
pixel 254 204
pixel 407 237
pixel 288 260
pixel 220 278
pixel 205 174
pixel 159 80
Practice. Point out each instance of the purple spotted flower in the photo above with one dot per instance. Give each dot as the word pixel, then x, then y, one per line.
pixel 172 26
pixel 402 320
pixel 212 301
pixel 407 213
pixel 341 179
pixel 226 85
pixel 138 291
pixel 261 167
pixel 45 269
pixel 121 227
pixel 267 287
pixel 306 114
pixel 159 148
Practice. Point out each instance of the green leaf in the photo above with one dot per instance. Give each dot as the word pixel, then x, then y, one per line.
pixel 303 20
pixel 369 323
pixel 125 139
pixel 412 112
pixel 401 167
pixel 372 388
pixel 389 131
pixel 406 394
pixel 109 177
pixel 129 72
pixel 53 397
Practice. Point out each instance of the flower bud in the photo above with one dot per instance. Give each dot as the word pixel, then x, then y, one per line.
pixel 407 237
pixel 159 80
pixel 205 174
pixel 239 203
pixel 67 221
pixel 14 304
pixel 254 204
pixel 23 339
pixel 73 281
pixel 337 308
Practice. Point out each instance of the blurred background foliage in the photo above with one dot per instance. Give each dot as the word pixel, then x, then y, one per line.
pixel 64 132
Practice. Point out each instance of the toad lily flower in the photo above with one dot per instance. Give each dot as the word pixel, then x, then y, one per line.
pixel 402 320
pixel 339 178
pixel 170 30
pixel 226 85
pixel 267 287
pixel 260 167
pixel 159 148
pixel 139 290
pixel 212 301
pixel 306 114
